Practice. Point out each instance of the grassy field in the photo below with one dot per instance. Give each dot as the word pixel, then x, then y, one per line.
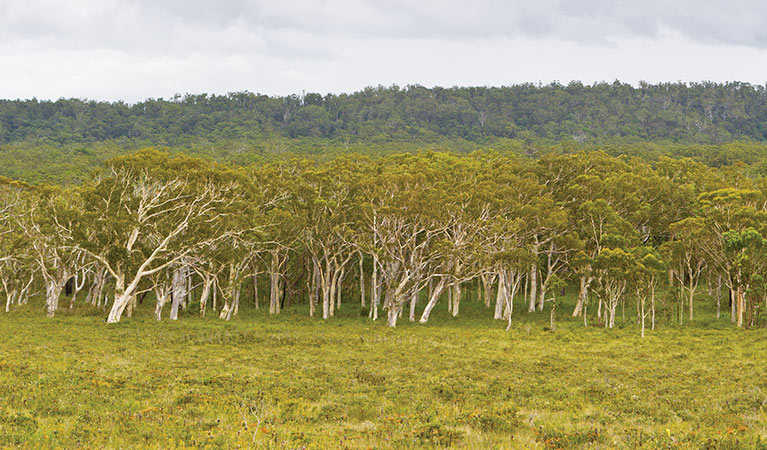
pixel 292 382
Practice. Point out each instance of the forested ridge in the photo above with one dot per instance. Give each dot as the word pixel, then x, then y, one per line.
pixel 63 141
pixel 397 235
pixel 704 113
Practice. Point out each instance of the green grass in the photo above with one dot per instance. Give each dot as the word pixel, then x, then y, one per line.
pixel 75 382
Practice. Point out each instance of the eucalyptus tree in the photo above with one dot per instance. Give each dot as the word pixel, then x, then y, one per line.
pixel 149 212
pixel 51 228
pixel 162 286
pixel 555 283
pixel 579 183
pixel 600 227
pixel 403 210
pixel 234 271
pixel 208 263
pixel 465 210
pixel 733 211
pixel 747 250
pixel 280 221
pixel 258 225
pixel 686 255
pixel 326 205
pixel 515 198
pixel 549 239
pixel 16 252
pixel 560 244
pixel 645 277
pixel 614 268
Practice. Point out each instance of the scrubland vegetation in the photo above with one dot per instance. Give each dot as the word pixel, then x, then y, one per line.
pixel 293 382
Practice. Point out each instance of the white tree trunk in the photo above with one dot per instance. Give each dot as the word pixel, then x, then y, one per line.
pixel 10 294
pixel 362 283
pixel 326 296
pixel 533 287
pixel 500 297
pixel 178 292
pixel 544 288
pixel 94 293
pixel 433 299
pixel 274 283
pixel 207 282
pixel 392 315
pixel 77 285
pixel 340 285
pixel 22 297
pixel 53 290
pixel 413 304
pixel 274 293
pixel 161 295
pixel 456 298
pixel 583 292
pixel 375 290
pixel 121 299
pixel 487 284
pixel 512 286
pixel 643 314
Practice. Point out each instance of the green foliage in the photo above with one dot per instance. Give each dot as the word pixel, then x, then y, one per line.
pixel 695 112
pixel 292 381
pixel 717 124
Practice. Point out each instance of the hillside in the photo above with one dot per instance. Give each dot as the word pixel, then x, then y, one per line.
pixel 718 124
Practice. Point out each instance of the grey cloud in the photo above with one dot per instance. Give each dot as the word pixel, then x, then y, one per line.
pixel 134 24
pixel 132 49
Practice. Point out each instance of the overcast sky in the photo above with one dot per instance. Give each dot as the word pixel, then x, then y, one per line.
pixel 134 49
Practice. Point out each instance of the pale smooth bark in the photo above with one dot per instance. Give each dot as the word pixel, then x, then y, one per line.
pixel 583 292
pixel 161 292
pixel 362 282
pixel 178 291
pixel 413 304
pixel 94 293
pixel 10 294
pixel 433 299
pixel 456 298
pixel 207 283
pixel 53 290
pixel 375 290
pixel 642 302
pixel 533 287
pixel 338 289
pixel 78 283
pixel 275 282
pixel 500 297
pixel 487 287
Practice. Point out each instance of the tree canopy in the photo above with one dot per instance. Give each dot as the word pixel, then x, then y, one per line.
pixel 402 227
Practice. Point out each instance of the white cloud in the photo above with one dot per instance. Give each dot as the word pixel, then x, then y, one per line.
pixel 134 49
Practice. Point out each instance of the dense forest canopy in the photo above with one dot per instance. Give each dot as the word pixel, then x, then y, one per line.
pixel 707 113
pixel 717 124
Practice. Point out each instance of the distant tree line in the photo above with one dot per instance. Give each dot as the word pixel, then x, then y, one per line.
pixel 700 113
pixel 396 235
pixel 62 142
